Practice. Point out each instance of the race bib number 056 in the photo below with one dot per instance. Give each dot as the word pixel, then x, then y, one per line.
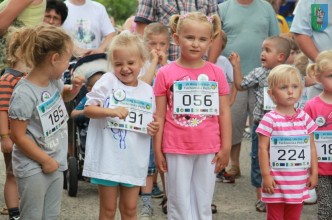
pixel 140 115
pixel 290 151
pixel 53 114
pixel 196 97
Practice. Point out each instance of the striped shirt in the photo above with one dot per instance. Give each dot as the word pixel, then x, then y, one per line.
pixel 8 82
pixel 290 182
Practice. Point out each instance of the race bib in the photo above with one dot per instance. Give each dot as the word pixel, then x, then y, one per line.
pixel 290 151
pixel 196 97
pixel 53 114
pixel 323 141
pixel 140 114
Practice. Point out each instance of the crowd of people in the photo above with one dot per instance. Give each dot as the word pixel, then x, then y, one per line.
pixel 170 96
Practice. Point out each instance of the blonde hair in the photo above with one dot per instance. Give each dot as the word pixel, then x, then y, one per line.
pixel 284 73
pixel 13 47
pixel 301 62
pixel 323 64
pixel 155 29
pixel 177 21
pixel 128 41
pixel 33 44
pixel 223 39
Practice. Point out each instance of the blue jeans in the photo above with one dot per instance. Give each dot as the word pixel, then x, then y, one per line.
pixel 256 177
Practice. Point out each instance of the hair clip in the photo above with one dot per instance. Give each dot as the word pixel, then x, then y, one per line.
pixel 209 18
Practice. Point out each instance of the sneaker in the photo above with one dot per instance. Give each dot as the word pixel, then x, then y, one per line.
pixel 260 206
pixel 224 177
pixel 146 212
pixel 312 199
pixel 156 192
pixel 4 211
pixel 234 171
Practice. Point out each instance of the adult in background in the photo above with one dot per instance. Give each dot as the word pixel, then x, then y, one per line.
pixel 255 20
pixel 149 11
pixel 312 27
pixel 89 26
pixel 56 12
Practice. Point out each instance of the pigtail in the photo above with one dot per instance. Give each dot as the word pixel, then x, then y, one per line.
pixel 29 45
pixel 311 70
pixel 173 23
pixel 13 47
pixel 216 25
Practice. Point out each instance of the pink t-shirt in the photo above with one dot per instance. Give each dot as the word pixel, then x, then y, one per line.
pixel 318 109
pixel 187 133
pixel 290 182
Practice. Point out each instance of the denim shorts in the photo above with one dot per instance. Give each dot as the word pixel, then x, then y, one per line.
pixel 109 183
pixel 256 177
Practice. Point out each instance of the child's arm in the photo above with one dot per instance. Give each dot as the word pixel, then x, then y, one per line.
pixel 234 58
pixel 76 113
pixel 313 178
pixel 233 94
pixel 70 91
pixel 93 111
pixel 161 105
pixel 150 73
pixel 222 157
pixel 6 142
pixel 263 157
pixel 28 147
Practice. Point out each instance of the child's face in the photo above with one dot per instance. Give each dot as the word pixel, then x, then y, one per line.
pixel 194 40
pixel 159 42
pixel 127 65
pixel 286 93
pixel 325 78
pixel 60 63
pixel 270 57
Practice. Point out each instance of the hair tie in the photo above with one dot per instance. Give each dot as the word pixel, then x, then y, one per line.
pixel 209 18
pixel 183 16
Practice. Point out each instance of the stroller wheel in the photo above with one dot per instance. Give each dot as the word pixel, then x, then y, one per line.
pixel 72 176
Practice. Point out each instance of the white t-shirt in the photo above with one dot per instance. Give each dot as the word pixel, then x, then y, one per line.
pixel 87 24
pixel 116 154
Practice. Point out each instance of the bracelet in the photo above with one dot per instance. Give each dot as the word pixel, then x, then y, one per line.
pixel 4 135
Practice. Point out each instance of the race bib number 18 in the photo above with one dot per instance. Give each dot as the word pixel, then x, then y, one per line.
pixel 196 97
pixel 323 141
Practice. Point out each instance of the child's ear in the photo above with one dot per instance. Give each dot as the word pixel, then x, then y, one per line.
pixel 55 57
pixel 176 39
pixel 281 58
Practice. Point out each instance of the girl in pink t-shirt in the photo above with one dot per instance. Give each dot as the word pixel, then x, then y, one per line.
pixel 192 108
pixel 320 109
pixel 287 153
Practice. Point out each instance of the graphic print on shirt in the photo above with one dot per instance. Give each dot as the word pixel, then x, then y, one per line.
pixel 323 121
pixel 83 35
pixel 186 120
pixel 319 16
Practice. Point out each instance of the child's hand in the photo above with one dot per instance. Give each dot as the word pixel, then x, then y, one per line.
pixel 161 162
pixel 50 165
pixel 162 58
pixel 154 56
pixel 6 145
pixel 234 58
pixel 153 127
pixel 221 160
pixel 312 181
pixel 268 184
pixel 77 82
pixel 120 112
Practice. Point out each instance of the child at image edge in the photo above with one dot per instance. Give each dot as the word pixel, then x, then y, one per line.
pixel 287 152
pixel 192 147
pixel 320 108
pixel 118 158
pixel 39 121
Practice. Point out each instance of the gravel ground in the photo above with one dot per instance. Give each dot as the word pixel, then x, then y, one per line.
pixel 234 201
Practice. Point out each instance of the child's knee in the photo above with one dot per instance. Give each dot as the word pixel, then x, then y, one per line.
pixel 128 209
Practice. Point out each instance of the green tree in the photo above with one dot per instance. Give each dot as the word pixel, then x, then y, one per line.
pixel 120 9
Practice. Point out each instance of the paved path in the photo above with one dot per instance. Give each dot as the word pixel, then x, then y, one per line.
pixel 234 201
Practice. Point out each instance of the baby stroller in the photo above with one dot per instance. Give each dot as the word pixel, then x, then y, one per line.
pixel 87 67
